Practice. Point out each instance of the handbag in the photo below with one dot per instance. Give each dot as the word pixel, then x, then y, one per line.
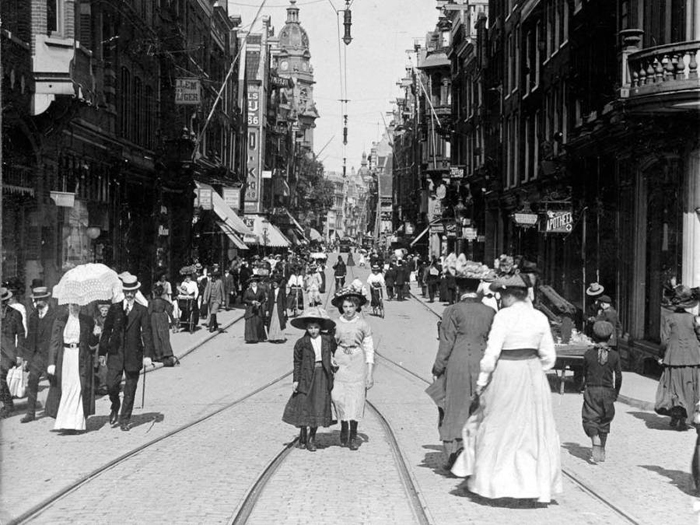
pixel 17 380
pixel 12 380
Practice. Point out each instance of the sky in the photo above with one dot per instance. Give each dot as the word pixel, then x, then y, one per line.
pixel 375 60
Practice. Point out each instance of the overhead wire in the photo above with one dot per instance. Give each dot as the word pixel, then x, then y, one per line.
pixel 225 83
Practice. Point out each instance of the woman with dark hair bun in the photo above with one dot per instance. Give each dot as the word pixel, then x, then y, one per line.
pixel 355 360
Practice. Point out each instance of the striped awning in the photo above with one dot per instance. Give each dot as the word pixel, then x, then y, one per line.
pixel 231 234
pixel 267 233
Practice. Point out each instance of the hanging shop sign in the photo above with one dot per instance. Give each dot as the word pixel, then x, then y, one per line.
pixel 559 222
pixel 456 172
pixel 469 233
pixel 526 220
pixel 451 229
pixel 187 91
pixel 63 199
pixel 204 198
pixel 232 198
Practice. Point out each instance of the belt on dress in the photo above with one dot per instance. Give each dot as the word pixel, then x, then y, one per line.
pixel 71 345
pixel 318 364
pixel 518 354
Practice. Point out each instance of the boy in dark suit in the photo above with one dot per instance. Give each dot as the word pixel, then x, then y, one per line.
pixel 126 345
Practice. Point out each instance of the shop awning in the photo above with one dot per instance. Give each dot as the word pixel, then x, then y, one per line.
pixel 315 235
pixel 420 236
pixel 296 224
pixel 235 239
pixel 268 234
pixel 224 211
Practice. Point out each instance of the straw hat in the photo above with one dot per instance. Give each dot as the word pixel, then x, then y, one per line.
pixel 40 292
pixel 5 294
pixel 315 314
pixel 346 292
pixel 130 282
pixel 594 289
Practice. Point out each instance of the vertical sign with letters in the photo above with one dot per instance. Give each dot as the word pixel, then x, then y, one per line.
pixel 254 153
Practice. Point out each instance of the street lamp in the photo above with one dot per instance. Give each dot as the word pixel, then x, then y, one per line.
pixel 93 232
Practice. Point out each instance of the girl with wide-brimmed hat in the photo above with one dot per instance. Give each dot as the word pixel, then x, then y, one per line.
pixel 355 359
pixel 679 386
pixel 309 407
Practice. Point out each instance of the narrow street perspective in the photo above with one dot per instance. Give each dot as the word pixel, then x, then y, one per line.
pixel 366 262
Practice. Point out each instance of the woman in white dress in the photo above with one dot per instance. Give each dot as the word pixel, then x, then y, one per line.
pixel 511 445
pixel 355 360
pixel 71 362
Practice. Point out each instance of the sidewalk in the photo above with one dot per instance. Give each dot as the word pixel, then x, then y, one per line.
pixel 637 391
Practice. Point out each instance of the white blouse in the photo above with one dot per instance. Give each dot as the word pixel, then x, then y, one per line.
pixel 516 327
pixel 71 333
pixel 316 343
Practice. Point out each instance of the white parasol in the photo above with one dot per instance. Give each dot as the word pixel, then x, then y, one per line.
pixel 87 283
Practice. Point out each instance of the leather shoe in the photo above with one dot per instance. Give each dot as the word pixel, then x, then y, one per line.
pixel 125 426
pixel 311 444
pixel 28 418
pixel 113 417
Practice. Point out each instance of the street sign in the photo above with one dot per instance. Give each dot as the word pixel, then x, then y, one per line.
pixel 559 222
pixel 205 198
pixel 525 219
pixel 469 233
pixel 187 91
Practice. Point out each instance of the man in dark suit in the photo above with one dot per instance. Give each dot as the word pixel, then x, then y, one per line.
pixel 127 345
pixel 11 348
pixel 36 353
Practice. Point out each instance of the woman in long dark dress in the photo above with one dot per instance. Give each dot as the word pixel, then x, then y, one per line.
pixel 679 386
pixel 254 299
pixel 161 314
pixel 351 261
pixel 310 404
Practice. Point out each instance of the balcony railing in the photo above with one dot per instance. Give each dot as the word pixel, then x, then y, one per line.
pixel 661 69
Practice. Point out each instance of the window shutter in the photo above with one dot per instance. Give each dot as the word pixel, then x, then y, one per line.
pixel 85 29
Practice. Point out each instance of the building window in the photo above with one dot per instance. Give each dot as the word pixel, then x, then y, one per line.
pixel 125 100
pixel 536 139
pixel 539 37
pixel 54 17
pixel 138 120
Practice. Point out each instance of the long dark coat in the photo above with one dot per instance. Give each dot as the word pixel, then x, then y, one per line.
pixel 39 331
pixel 127 340
pixel 281 305
pixel 86 363
pixel 249 296
pixel 463 333
pixel 305 359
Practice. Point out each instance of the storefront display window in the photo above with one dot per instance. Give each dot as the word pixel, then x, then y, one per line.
pixel 76 246
pixel 664 239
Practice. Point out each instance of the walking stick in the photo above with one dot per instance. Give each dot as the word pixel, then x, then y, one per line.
pixel 143 392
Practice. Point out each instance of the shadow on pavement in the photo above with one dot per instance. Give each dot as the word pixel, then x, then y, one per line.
pixel 509 503
pixel 654 421
pixel 97 422
pixel 682 480
pixel 579 451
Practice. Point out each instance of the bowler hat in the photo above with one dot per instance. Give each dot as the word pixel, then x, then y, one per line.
pixel 594 289
pixel 40 292
pixel 129 282
pixel 5 294
pixel 316 315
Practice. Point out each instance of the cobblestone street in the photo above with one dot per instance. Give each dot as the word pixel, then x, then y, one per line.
pixel 203 474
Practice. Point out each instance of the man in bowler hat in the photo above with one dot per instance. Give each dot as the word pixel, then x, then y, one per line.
pixel 126 345
pixel 36 352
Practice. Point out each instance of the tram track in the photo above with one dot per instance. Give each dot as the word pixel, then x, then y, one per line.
pixel 418 507
pixel 568 473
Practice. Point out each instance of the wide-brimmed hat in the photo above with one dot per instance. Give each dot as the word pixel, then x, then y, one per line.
pixel 346 292
pixel 315 314
pixel 510 281
pixel 683 297
pixel 5 294
pixel 130 282
pixel 40 292
pixel 595 289
pixel 255 278
pixel 604 299
pixel 376 267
